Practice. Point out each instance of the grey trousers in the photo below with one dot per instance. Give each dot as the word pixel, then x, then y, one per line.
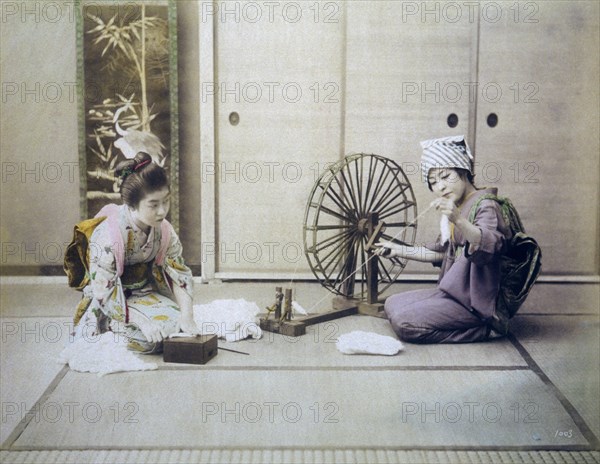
pixel 432 316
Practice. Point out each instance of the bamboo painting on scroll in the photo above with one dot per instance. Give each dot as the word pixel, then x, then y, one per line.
pixel 128 92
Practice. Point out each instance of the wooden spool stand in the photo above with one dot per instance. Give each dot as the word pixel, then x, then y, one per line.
pixel 343 306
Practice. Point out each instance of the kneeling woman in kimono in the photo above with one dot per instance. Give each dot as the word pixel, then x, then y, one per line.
pixel 462 307
pixel 139 286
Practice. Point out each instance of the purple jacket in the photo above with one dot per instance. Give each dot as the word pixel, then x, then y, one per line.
pixel 472 277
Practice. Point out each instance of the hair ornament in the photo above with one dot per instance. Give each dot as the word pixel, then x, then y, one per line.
pixel 143 163
pixel 125 172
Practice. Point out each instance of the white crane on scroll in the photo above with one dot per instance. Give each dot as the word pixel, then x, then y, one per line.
pixel 133 141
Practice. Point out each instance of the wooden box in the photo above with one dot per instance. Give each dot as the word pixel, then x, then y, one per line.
pixel 190 350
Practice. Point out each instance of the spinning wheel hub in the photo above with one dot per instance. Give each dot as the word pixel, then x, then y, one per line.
pixel 363 226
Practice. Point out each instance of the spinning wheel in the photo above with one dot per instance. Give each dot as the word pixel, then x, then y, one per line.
pixel 347 204
pixel 354 203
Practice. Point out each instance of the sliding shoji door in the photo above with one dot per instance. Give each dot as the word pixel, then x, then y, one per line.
pixel 409 65
pixel 537 125
pixel 277 92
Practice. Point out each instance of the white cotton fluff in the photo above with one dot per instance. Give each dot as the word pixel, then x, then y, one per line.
pixel 359 342
pixel 445 229
pixel 104 354
pixel 233 320
pixel 299 309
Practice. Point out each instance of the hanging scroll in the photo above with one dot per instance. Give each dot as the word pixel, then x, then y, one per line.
pixel 128 80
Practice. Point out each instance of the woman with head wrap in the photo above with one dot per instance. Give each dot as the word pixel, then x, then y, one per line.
pixel 462 308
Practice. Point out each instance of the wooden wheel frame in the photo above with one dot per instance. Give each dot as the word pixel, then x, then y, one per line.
pixel 355 202
pixel 345 207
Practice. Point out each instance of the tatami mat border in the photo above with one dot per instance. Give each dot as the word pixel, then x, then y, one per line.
pixel 189 367
pixel 292 456
pixel 584 428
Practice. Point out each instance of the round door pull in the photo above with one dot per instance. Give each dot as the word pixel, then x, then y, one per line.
pixel 452 120
pixel 234 118
pixel 492 120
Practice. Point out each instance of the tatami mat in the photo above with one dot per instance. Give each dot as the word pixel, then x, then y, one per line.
pixel 31 347
pixel 529 398
pixel 567 349
pixel 35 299
pixel 28 364
pixel 50 296
pixel 329 409
pixel 317 348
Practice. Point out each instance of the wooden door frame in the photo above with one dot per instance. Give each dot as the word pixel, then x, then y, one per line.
pixel 208 200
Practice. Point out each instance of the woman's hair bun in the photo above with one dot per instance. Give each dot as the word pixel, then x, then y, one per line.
pixel 130 166
pixel 139 176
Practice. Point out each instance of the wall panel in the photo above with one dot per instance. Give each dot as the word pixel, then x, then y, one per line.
pixel 544 151
pixel 281 74
pixel 39 189
pixel 407 71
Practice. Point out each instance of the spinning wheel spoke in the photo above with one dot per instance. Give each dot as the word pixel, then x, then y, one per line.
pixel 398 224
pixel 347 272
pixel 364 268
pixel 367 190
pixel 330 227
pixel 335 257
pixel 350 191
pixel 398 209
pixel 396 240
pixel 351 210
pixel 332 260
pixel 383 270
pixel 380 182
pixel 386 197
pixel 333 213
pixel 384 203
pixel 358 179
pixel 331 241
pixel 395 192
pixel 350 271
pixel 333 195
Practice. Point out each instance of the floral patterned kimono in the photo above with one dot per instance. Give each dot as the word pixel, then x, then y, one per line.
pixel 144 288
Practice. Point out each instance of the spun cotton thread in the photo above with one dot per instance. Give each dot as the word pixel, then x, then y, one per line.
pixel 419 216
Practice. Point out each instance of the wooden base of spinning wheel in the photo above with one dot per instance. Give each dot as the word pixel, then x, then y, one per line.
pixel 342 307
pixel 362 307
pixel 297 327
